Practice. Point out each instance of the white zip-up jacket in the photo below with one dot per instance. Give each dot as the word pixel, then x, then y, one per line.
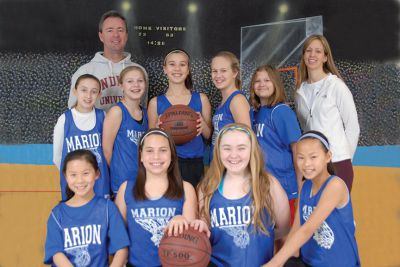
pixel 108 74
pixel 333 113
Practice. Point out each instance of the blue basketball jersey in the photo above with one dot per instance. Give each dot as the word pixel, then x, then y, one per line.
pixel 87 234
pixel 234 240
pixel 223 116
pixel 75 139
pixel 146 222
pixel 333 243
pixel 195 147
pixel 124 160
pixel 276 128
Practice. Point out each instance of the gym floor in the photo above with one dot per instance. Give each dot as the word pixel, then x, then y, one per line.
pixel 29 192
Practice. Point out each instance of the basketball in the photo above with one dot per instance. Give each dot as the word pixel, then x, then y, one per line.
pixel 180 122
pixel 192 248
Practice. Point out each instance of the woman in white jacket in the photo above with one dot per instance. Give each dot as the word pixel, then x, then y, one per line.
pixel 324 103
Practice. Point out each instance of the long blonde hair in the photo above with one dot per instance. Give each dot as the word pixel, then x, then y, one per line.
pixel 259 181
pixel 328 67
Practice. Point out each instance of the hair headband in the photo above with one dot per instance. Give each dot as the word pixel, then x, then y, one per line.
pixel 176 51
pixel 153 132
pixel 316 136
pixel 234 127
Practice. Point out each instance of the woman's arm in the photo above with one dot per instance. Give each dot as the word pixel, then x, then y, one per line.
pixel 348 113
pixel 61 260
pixel 240 109
pixel 296 223
pixel 301 110
pixel 111 125
pixel 58 141
pixel 189 212
pixel 200 224
pixel 334 195
pixel 120 258
pixel 204 122
pixel 152 113
pixel 190 204
pixel 299 175
pixel 120 200
pixel 281 208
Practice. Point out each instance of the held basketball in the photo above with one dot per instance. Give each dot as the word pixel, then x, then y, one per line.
pixel 192 248
pixel 180 122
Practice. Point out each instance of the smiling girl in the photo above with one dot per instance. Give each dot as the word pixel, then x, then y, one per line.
pixel 123 126
pixel 160 201
pixel 277 129
pixel 84 229
pixel 81 128
pixel 180 91
pixel 324 228
pixel 234 107
pixel 245 207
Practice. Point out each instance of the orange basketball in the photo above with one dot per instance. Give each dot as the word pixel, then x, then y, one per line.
pixel 180 122
pixel 192 248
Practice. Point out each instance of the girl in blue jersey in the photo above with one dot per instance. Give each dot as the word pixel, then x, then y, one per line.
pixel 180 91
pixel 277 129
pixel 124 124
pixel 324 228
pixel 245 207
pixel 234 106
pixel 160 201
pixel 81 128
pixel 85 229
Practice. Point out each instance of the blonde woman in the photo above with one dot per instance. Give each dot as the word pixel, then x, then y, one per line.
pixel 324 103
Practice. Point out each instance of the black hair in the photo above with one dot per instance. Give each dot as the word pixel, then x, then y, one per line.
pixel 80 154
pixel 330 168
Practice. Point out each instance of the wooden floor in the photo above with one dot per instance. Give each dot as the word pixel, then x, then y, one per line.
pixel 29 192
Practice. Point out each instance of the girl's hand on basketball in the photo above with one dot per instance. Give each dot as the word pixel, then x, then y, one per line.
pixel 176 225
pixel 200 226
pixel 200 124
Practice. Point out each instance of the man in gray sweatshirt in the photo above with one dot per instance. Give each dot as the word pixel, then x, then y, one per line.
pixel 107 65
